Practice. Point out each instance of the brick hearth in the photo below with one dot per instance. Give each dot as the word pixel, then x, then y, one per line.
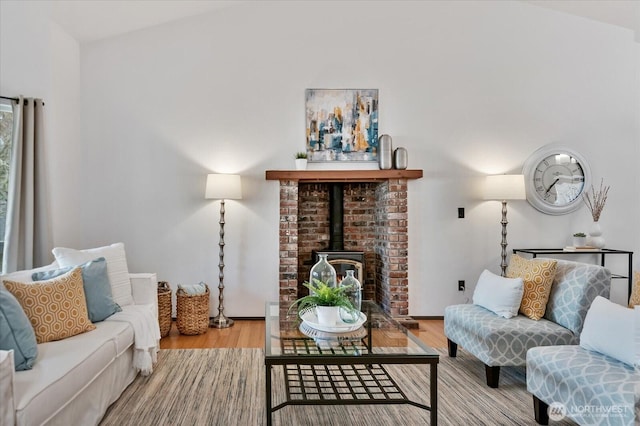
pixel 375 222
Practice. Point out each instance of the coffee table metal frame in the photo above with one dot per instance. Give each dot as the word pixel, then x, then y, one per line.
pixel 343 371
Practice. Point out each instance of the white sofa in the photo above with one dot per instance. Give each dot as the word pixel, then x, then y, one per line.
pixel 74 380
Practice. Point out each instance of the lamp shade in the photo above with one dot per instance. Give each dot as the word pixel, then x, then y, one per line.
pixel 223 187
pixel 504 187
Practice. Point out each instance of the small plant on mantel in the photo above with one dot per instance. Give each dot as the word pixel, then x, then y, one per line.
pixel 596 200
pixel 301 155
pixel 580 234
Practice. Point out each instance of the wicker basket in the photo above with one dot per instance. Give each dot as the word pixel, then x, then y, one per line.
pixel 192 312
pixel 164 308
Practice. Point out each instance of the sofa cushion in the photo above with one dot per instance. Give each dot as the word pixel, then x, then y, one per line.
pixel 123 338
pixel 498 341
pixel 498 294
pixel 97 290
pixel 16 331
pixel 574 288
pixel 538 277
pixel 66 367
pixel 56 308
pixel 116 267
pixel 594 388
pixel 609 329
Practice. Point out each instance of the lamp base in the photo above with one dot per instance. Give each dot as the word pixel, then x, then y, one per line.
pixel 220 321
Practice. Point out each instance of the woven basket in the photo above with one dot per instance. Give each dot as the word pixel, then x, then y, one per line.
pixel 192 312
pixel 164 308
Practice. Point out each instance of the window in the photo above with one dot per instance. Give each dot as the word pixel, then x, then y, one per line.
pixel 6 137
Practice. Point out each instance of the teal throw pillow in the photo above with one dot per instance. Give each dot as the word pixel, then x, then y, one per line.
pixel 16 332
pixel 97 289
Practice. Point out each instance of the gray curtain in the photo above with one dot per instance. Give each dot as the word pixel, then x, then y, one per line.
pixel 27 241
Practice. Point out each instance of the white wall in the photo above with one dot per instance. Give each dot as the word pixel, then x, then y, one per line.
pixel 469 88
pixel 39 60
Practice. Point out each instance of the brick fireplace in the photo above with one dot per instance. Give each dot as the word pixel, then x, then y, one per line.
pixel 375 221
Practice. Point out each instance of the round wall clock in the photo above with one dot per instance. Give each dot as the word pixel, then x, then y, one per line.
pixel 555 178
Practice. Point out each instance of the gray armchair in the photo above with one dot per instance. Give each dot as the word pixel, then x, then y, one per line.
pixel 498 341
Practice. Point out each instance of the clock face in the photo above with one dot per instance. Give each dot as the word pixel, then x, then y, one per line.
pixel 558 179
pixel 555 179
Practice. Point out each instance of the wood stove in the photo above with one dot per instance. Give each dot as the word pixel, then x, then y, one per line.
pixel 342 260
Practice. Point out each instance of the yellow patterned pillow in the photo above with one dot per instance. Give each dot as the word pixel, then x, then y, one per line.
pixel 635 293
pixel 538 275
pixel 56 308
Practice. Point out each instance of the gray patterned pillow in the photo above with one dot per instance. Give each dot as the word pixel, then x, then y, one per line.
pixel 575 286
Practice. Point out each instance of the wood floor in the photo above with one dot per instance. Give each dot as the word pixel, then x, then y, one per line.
pixel 250 334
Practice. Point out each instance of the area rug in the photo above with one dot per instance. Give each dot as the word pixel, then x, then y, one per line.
pixel 226 387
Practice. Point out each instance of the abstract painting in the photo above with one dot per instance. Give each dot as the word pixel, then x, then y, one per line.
pixel 342 124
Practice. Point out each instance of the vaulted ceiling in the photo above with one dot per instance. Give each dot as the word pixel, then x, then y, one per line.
pixel 90 20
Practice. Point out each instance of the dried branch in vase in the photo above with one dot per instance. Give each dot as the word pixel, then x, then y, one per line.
pixel 596 200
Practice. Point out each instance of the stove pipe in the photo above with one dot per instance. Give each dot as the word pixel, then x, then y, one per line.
pixel 336 216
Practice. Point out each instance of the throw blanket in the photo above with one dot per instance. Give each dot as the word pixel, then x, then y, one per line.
pixel 146 335
pixel 194 289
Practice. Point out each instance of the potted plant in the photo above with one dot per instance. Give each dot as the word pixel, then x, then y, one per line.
pixel 301 160
pixel 579 239
pixel 326 300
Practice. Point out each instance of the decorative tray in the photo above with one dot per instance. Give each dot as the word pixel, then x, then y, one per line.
pixel 318 335
pixel 310 318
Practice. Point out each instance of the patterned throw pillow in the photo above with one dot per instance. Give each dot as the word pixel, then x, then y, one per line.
pixel 97 290
pixel 538 275
pixel 635 293
pixel 56 308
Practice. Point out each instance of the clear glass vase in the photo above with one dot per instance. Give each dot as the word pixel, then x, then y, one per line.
pixel 355 297
pixel 323 271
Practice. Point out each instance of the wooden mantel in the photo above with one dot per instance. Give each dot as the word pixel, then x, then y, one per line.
pixel 342 175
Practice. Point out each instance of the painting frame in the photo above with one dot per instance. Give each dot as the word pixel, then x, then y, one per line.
pixel 341 125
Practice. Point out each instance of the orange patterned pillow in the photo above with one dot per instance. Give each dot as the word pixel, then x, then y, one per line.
pixel 538 275
pixel 635 293
pixel 56 308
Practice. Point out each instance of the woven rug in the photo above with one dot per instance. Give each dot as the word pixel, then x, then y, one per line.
pixel 227 387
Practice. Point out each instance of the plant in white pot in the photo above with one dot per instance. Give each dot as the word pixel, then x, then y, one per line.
pixel 301 160
pixel 326 300
pixel 579 239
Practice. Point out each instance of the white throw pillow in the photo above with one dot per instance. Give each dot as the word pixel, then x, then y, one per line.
pixel 609 330
pixel 498 294
pixel 117 268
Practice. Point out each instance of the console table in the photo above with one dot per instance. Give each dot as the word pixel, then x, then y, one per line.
pixel 602 252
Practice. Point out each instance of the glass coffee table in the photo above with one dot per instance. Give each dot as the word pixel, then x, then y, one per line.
pixel 346 368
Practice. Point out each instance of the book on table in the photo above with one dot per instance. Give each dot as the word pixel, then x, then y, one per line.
pixel 580 248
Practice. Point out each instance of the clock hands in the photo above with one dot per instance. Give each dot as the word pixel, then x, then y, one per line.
pixel 551 186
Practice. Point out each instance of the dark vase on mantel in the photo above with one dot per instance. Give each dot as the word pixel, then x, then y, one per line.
pixel 400 158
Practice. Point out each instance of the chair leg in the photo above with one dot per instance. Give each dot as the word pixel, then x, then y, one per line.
pixel 453 348
pixel 493 376
pixel 540 411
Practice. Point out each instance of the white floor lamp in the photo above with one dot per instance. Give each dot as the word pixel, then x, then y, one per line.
pixel 221 187
pixel 503 188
